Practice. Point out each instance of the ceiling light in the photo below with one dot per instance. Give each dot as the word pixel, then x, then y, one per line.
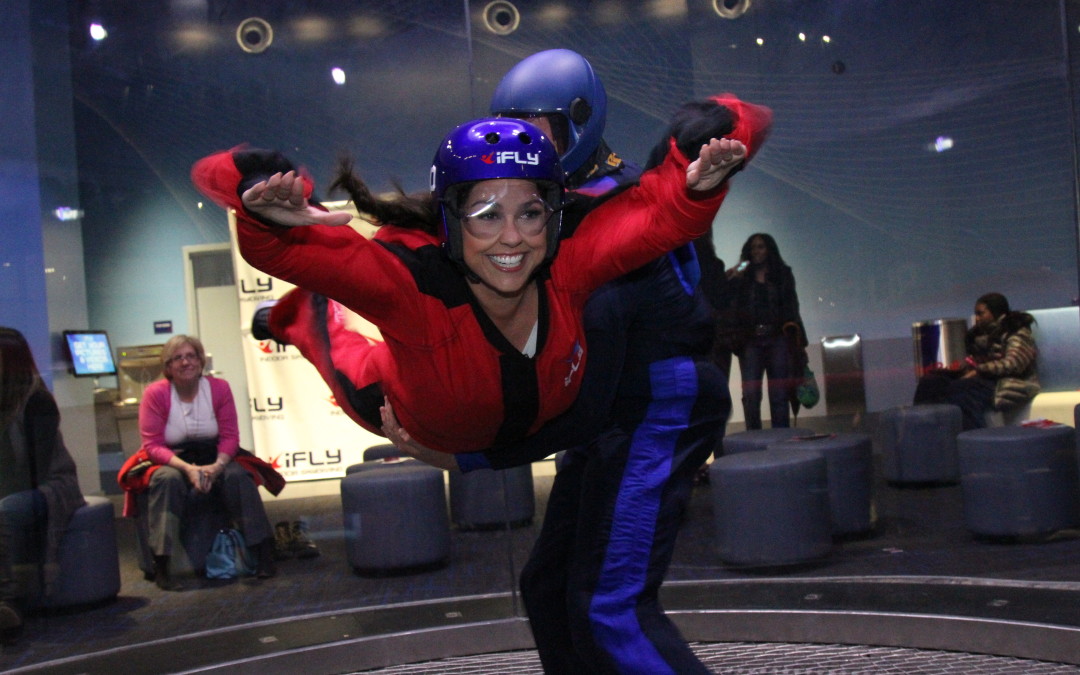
pixel 501 17
pixel 730 9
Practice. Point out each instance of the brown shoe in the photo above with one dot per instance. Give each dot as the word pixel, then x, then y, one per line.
pixel 301 546
pixel 283 541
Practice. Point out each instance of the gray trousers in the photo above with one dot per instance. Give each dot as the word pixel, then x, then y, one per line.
pixel 234 489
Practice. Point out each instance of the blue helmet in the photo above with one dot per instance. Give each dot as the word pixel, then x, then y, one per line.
pixel 487 149
pixel 557 81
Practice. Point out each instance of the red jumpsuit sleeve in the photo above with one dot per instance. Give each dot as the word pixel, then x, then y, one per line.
pixel 658 215
pixel 752 122
pixel 638 225
pixel 337 262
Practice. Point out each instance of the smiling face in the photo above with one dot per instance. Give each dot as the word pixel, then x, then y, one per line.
pixel 184 365
pixel 504 238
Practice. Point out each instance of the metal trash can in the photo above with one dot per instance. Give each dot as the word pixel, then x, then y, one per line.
pixel 939 344
pixel 845 382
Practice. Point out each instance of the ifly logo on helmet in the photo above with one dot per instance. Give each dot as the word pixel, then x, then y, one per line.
pixel 511 157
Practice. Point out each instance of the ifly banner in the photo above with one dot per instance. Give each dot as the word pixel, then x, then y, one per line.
pixel 296 424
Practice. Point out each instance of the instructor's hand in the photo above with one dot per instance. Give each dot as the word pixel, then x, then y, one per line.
pixel 405 443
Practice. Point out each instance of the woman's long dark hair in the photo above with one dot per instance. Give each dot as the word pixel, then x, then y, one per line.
pixel 18 373
pixel 774 262
pixel 418 211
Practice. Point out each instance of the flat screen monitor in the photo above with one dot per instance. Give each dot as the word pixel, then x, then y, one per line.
pixel 91 355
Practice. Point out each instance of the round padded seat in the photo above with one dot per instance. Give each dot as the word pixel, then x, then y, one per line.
pixel 771 507
pixel 382 451
pixel 386 460
pixel 849 460
pixel 395 517
pixel 918 443
pixel 486 499
pixel 1019 481
pixel 759 439
pixel 89 562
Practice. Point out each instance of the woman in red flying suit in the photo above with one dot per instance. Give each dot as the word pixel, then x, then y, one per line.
pixel 481 320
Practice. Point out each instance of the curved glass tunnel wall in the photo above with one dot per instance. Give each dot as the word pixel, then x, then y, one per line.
pixel 923 153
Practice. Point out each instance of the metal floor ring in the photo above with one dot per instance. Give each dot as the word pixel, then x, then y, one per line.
pixel 743 658
pixel 773 626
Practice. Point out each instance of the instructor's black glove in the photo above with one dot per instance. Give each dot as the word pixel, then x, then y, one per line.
pixel 692 126
pixel 257 164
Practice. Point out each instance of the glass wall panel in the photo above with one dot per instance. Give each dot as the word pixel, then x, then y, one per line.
pixel 923 152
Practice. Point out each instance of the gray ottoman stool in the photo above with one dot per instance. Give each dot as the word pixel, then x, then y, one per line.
pixel 759 439
pixel 849 460
pixel 771 507
pixel 1019 481
pixel 378 459
pixel 89 562
pixel 486 499
pixel 382 451
pixel 395 517
pixel 918 444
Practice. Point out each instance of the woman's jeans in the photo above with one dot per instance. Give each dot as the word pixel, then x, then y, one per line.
pixel 973 395
pixel 768 354
pixel 23 516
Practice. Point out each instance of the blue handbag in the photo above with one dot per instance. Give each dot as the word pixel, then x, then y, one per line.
pixel 229 557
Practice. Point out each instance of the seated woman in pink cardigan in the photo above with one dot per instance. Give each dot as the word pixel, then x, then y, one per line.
pixel 189 429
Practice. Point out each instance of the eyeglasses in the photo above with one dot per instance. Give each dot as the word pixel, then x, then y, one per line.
pixel 183 357
pixel 488 221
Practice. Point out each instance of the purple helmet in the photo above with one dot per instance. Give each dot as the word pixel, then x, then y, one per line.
pixel 487 149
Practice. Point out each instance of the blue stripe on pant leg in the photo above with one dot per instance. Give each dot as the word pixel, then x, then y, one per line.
pixel 648 467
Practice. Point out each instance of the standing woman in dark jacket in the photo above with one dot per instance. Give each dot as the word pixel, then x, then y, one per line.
pixel 767 307
pixel 38 487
